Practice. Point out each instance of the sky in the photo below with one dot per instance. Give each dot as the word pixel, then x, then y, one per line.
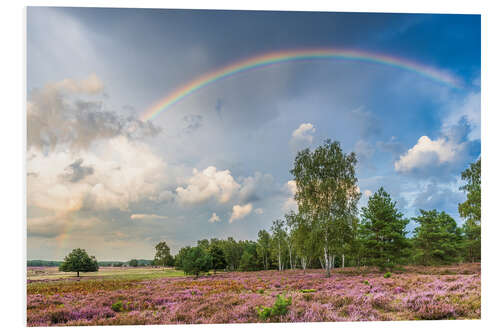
pixel 102 176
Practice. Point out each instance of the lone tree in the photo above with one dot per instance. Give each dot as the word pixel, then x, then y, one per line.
pixel 79 261
pixel 327 196
pixel 133 263
pixel 470 210
pixel 383 231
pixel 163 256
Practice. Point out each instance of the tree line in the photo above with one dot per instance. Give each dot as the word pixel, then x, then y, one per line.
pixel 329 230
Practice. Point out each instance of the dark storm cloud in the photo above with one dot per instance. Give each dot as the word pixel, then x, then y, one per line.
pixel 76 171
pixel 55 118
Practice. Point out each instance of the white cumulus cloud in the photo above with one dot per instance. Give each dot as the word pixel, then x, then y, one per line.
pixel 302 136
pixel 119 177
pixel 147 217
pixel 214 218
pixel 290 189
pixel 206 184
pixel 427 152
pixel 240 212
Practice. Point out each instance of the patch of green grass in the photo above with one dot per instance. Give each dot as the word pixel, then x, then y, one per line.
pixel 387 275
pixel 124 274
pixel 305 291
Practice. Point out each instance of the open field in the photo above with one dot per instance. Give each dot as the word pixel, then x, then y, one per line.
pixel 451 292
pixel 52 273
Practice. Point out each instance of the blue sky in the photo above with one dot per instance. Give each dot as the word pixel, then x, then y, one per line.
pixel 217 163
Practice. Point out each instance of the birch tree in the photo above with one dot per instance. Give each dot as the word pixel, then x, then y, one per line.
pixel 278 239
pixel 327 195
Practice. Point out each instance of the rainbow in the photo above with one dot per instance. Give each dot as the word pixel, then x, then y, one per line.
pixel 272 58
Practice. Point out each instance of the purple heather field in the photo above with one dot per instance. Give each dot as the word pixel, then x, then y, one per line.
pixel 417 293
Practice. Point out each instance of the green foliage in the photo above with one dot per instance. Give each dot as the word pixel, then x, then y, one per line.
pixel 163 256
pixel 280 308
pixel 43 263
pixel 196 261
pixel 470 210
pixel 117 307
pixel 218 258
pixel 133 263
pixel 79 261
pixel 278 239
pixel 248 260
pixel 327 196
pixel 179 258
pixel 382 231
pixel 232 252
pixel 264 247
pixel 387 275
pixel 437 239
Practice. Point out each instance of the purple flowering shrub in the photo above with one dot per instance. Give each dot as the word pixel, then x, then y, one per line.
pixel 234 297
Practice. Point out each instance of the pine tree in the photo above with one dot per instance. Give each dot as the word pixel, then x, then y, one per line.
pixel 382 231
pixel 437 238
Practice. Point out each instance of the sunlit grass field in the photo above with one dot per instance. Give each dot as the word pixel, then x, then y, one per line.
pixel 53 273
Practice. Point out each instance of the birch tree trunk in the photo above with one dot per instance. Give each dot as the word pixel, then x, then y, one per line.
pixel 279 256
pixel 304 263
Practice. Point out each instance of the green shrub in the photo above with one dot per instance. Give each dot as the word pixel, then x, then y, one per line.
pixel 260 291
pixel 387 275
pixel 305 291
pixel 117 307
pixel 366 282
pixel 280 308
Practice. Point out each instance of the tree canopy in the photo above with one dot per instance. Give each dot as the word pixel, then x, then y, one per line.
pixel 327 196
pixel 196 261
pixel 382 231
pixel 470 210
pixel 163 256
pixel 437 238
pixel 79 261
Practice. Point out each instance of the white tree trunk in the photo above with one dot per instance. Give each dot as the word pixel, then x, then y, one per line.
pixel 342 261
pixel 279 256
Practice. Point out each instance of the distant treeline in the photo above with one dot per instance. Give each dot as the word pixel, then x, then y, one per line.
pixel 44 263
pixel 51 263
